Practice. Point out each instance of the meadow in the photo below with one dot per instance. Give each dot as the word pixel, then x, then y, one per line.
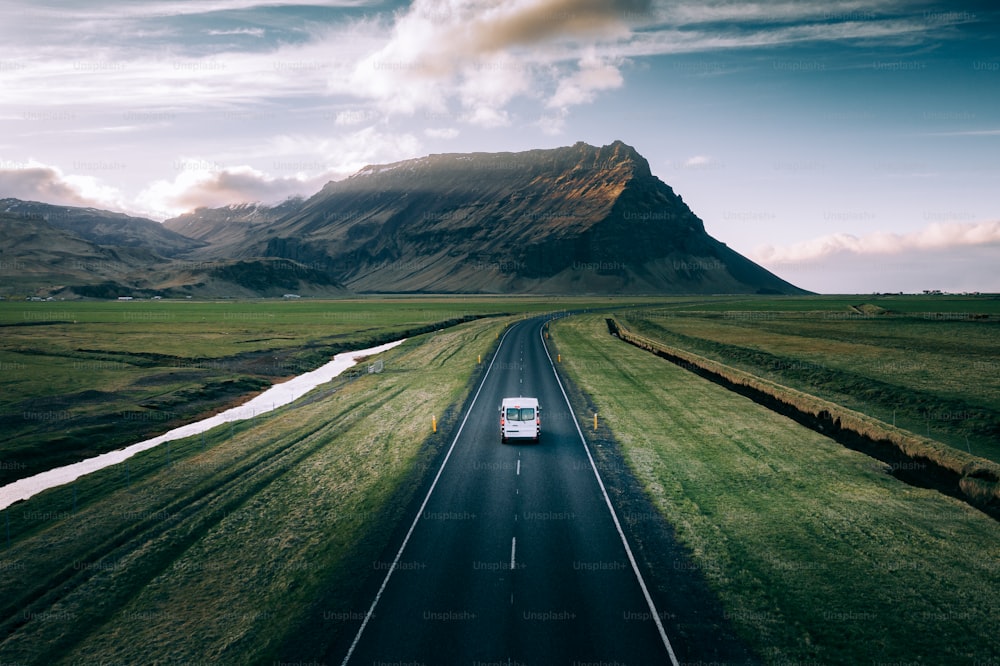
pixel 81 378
pixel 929 364
pixel 818 553
pixel 151 558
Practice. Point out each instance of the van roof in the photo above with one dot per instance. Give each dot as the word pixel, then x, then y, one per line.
pixel 520 402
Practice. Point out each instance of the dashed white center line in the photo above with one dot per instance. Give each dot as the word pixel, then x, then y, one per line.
pixel 518 468
pixel 513 550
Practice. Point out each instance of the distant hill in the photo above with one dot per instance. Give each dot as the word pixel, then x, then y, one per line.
pixel 220 227
pixel 572 220
pixel 84 252
pixel 104 227
pixel 579 219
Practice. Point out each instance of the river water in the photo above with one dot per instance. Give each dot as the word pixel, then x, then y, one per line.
pixel 274 397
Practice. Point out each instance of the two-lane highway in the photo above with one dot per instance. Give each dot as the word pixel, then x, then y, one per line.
pixel 515 556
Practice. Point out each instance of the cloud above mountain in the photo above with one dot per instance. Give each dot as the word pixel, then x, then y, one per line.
pixel 34 181
pixel 202 185
pixel 937 236
pixel 485 54
pixel 951 256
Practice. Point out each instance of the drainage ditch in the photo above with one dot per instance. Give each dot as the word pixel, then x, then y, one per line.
pixel 978 487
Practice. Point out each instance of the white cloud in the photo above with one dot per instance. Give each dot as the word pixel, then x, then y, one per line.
pixel 356 117
pixel 104 12
pixel 202 183
pixel 76 77
pixel 442 132
pixel 485 116
pixel 489 84
pixel 594 75
pixel 553 123
pixel 485 54
pixel 698 161
pixel 937 236
pixel 670 39
pixel 341 155
pixel 780 11
pixel 951 256
pixel 481 54
pixel 34 181
pixel 250 32
pixel 298 165
pixel 289 165
pixel 955 269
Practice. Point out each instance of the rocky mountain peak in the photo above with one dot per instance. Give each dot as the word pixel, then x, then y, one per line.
pixel 617 156
pixel 561 220
pixel 568 220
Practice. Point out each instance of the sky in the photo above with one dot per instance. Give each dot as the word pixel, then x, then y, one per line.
pixel 849 147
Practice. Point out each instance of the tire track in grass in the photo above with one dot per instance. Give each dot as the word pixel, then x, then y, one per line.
pixel 155 544
pixel 112 542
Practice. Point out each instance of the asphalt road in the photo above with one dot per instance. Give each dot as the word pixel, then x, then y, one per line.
pixel 515 556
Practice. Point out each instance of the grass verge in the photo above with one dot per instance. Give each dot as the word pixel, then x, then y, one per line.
pixel 219 550
pixel 817 554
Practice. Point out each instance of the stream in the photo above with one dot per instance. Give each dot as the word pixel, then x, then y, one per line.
pixel 272 398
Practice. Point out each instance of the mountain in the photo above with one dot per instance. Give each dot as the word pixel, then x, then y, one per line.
pixel 220 227
pixel 64 251
pixel 578 219
pixel 42 255
pixel 104 227
pixel 572 220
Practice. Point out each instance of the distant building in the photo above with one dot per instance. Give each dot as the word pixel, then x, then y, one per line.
pixel 125 298
pixel 291 296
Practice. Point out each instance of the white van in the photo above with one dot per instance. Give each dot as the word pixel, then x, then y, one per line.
pixel 519 419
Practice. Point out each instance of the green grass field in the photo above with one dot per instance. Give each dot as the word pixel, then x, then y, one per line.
pixel 241 547
pixel 929 364
pixel 818 555
pixel 82 378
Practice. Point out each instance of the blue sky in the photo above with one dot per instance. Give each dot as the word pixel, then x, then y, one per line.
pixel 847 146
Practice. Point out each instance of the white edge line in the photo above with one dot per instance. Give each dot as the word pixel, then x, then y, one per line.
pixel 423 505
pixel 614 516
